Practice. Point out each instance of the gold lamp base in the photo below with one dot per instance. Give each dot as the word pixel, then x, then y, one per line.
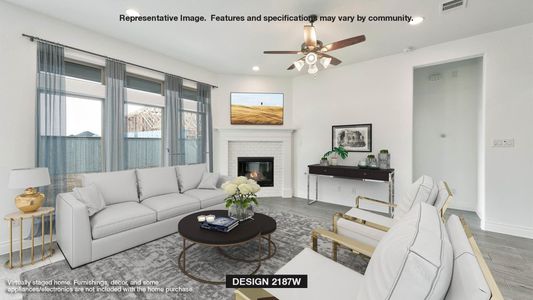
pixel 29 201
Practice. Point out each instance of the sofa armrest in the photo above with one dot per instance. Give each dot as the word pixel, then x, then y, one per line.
pixel 351 244
pixel 73 230
pixel 222 179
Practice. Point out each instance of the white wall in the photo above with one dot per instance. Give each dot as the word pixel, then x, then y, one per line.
pixel 17 83
pixel 447 99
pixel 380 91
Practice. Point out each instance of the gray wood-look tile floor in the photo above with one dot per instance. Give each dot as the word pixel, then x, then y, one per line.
pixel 509 258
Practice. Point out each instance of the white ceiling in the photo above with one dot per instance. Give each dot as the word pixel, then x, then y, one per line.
pixel 233 48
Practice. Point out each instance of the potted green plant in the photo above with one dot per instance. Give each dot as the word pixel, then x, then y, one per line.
pixel 241 193
pixel 336 151
pixel 371 161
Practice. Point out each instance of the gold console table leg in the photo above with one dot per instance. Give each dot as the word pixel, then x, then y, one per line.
pixel 50 246
pixel 10 243
pixel 21 239
pixel 42 237
pixel 32 240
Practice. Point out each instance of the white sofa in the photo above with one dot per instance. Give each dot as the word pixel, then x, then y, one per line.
pixel 141 205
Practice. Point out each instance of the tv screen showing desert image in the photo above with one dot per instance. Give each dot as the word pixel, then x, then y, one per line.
pixel 257 108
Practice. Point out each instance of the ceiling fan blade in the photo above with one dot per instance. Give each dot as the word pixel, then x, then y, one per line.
pixel 344 43
pixel 334 61
pixel 292 66
pixel 310 36
pixel 282 52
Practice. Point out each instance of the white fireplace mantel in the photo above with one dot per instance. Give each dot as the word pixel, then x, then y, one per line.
pixel 256 135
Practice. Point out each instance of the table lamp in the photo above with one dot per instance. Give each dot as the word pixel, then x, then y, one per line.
pixel 29 179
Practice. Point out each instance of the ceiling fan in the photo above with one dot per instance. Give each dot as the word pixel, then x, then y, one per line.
pixel 315 51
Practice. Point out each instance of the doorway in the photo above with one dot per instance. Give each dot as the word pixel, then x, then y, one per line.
pixel 447 114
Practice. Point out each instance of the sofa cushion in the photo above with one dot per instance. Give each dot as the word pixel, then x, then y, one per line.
pixel 171 205
pixel 414 260
pixel 120 217
pixel 115 187
pixel 468 281
pixel 364 234
pixel 442 195
pixel 326 278
pixel 209 181
pixel 189 176
pixel 157 181
pixel 207 197
pixel 424 189
pixel 91 197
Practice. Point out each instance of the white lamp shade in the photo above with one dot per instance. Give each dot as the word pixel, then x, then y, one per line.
pixel 29 177
pixel 299 64
pixel 312 69
pixel 325 61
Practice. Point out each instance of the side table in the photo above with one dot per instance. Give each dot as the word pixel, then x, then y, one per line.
pixel 18 215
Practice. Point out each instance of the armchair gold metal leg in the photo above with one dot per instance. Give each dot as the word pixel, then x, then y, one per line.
pixel 314 241
pixel 21 239
pixel 32 239
pixel 335 248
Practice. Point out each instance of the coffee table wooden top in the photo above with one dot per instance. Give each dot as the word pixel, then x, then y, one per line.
pixel 189 228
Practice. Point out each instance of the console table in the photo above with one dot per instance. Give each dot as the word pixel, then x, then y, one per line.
pixel 351 172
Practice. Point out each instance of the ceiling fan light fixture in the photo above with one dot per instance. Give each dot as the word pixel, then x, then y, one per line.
pixel 325 61
pixel 132 12
pixel 299 64
pixel 416 21
pixel 311 58
pixel 312 69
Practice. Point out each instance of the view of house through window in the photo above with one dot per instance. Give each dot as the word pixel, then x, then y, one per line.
pixel 83 137
pixel 143 135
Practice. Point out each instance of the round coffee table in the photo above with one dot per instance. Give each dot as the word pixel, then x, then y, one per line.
pixel 259 227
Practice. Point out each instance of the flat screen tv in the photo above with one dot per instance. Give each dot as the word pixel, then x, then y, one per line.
pixel 256 108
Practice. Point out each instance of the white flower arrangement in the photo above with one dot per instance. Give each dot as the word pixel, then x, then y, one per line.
pixel 241 191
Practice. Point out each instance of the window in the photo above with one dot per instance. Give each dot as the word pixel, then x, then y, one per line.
pixel 144 84
pixel 143 135
pixel 83 135
pixel 84 71
pixel 193 123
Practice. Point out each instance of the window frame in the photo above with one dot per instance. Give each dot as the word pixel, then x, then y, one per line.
pixel 161 83
pixel 87 64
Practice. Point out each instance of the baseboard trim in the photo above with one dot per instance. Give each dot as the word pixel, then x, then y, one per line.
pixel 511 229
pixel 26 244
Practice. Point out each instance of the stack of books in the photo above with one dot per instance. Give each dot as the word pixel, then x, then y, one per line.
pixel 222 224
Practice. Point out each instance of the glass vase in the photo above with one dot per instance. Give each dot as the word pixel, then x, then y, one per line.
pixel 240 213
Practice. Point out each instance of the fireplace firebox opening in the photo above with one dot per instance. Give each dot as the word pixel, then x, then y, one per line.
pixel 260 169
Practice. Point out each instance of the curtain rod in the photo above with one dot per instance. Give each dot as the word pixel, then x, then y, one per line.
pixel 32 38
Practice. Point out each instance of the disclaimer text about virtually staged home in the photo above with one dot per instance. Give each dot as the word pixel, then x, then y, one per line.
pixel 354 18
pixel 53 286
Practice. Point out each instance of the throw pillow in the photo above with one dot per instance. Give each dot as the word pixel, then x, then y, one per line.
pixel 209 181
pixel 91 197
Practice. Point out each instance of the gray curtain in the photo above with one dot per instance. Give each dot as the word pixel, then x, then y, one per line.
pixel 173 131
pixel 51 122
pixel 205 127
pixel 114 134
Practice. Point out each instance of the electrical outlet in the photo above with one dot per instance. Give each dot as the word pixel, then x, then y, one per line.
pixel 508 142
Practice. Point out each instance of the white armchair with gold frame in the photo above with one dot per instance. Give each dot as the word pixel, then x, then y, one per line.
pixel 369 227
pixel 419 258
